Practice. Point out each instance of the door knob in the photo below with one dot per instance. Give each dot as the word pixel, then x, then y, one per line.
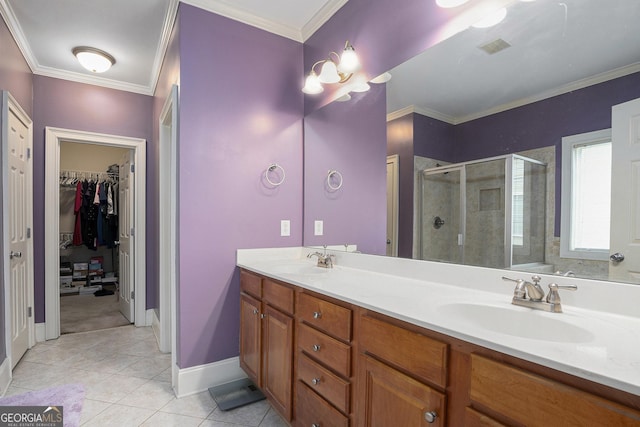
pixel 13 254
pixel 617 257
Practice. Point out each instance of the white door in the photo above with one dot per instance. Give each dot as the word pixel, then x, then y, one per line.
pixel 392 205
pixel 625 192
pixel 18 205
pixel 125 224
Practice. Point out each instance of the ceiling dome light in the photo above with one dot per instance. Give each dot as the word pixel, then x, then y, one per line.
pixel 94 60
pixel 491 19
pixel 450 3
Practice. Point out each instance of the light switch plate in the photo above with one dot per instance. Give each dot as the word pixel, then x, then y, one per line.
pixel 318 228
pixel 285 228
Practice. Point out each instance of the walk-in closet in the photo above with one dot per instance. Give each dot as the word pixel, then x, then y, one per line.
pixel 89 237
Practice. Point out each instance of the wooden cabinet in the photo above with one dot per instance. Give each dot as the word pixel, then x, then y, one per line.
pixel 266 338
pixel 324 367
pixel 528 399
pixel 398 372
pixel 347 366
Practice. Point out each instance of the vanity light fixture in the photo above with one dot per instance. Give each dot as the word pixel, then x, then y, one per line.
pixel 337 69
pixel 94 60
pixel 382 78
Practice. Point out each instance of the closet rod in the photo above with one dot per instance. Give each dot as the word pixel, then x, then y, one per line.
pixel 68 173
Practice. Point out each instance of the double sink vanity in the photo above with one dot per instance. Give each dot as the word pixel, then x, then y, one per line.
pixel 377 341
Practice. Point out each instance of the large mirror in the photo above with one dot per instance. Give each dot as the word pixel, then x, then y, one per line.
pixel 475 131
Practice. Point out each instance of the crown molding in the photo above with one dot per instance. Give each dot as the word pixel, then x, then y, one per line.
pixel 569 87
pixel 18 35
pixel 93 80
pixel 560 90
pixel 163 45
pixel 322 16
pixel 245 17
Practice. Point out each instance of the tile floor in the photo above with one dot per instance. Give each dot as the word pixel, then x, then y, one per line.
pixel 127 382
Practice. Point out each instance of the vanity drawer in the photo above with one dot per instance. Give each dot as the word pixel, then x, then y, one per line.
pixel 325 349
pixel 423 357
pixel 312 410
pixel 278 295
pixel 326 316
pixel 324 382
pixel 473 418
pixel 251 284
pixel 501 388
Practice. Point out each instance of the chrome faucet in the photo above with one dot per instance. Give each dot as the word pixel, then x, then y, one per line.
pixel 528 294
pixel 324 260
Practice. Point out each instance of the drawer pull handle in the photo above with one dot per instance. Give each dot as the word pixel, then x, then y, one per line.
pixel 316 347
pixel 315 381
pixel 430 416
pixel 262 316
pixel 255 311
pixel 317 315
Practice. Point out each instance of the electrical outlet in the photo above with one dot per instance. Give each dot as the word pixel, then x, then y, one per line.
pixel 285 228
pixel 318 228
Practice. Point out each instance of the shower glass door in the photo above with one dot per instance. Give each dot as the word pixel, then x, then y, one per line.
pixel 441 207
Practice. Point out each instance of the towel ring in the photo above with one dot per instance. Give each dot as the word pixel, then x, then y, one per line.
pixel 329 175
pixel 271 168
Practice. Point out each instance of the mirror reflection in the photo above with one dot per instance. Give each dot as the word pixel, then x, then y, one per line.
pixel 475 129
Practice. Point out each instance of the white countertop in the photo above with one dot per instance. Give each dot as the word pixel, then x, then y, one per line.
pixel 474 305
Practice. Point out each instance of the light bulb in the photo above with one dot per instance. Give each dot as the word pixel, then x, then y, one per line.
pixel 349 62
pixel 312 85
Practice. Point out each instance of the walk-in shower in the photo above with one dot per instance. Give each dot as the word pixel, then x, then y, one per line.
pixel 488 212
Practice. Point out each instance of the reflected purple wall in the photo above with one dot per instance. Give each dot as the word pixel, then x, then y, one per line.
pixel 350 138
pixel 239 113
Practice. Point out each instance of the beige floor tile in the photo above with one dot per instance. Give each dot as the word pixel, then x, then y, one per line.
pixel 147 367
pixel 249 415
pixel 120 416
pixel 163 419
pixel 91 408
pixel 199 405
pixel 114 388
pixel 151 395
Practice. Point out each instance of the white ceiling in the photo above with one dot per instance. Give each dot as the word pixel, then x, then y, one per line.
pixel 552 52
pixel 136 32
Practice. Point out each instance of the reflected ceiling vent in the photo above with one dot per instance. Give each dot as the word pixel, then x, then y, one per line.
pixel 494 46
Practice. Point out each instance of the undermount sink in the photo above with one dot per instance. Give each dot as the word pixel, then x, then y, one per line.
pixel 518 322
pixel 305 269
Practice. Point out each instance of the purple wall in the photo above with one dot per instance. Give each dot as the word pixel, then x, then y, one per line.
pixel 544 123
pixel 15 76
pixel 70 105
pixel 169 75
pixel 240 111
pixel 350 138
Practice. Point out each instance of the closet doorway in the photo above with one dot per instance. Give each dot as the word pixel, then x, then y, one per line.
pixel 65 150
pixel 90 228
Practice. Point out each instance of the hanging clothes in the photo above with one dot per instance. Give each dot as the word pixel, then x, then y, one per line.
pixel 77 207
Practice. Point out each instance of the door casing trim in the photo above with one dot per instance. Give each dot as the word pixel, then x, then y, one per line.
pixel 53 138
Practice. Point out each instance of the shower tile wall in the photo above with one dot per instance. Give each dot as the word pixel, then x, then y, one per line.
pixel 419 164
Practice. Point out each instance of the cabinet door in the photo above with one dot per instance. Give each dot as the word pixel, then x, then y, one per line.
pixel 389 398
pixel 278 360
pixel 250 338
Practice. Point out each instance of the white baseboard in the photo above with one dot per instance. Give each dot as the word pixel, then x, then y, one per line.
pixel 41 332
pixel 149 314
pixel 199 378
pixel 5 375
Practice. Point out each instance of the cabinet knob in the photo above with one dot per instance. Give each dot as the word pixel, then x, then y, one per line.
pixel 317 315
pixel 430 416
pixel 255 311
pixel 262 316
pixel 316 347
pixel 315 381
pixel 315 425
